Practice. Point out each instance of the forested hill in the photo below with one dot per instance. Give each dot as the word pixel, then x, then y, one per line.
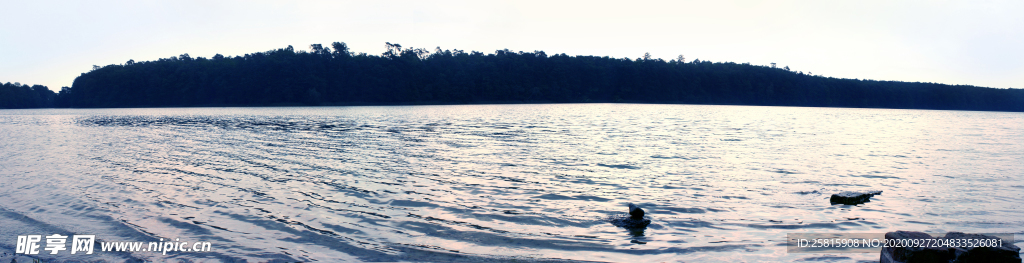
pixel 20 96
pixel 335 76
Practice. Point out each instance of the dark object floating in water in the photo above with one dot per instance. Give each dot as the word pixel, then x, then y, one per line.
pixel 945 252
pixel 636 219
pixel 636 212
pixel 853 198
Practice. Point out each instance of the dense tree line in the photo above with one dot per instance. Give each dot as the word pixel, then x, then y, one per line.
pixel 18 96
pixel 335 76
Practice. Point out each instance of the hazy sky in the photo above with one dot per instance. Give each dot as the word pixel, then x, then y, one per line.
pixel 955 42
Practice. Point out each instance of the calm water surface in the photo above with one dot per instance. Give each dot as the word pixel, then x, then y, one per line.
pixel 502 182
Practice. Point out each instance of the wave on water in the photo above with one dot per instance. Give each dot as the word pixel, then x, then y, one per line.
pixel 490 183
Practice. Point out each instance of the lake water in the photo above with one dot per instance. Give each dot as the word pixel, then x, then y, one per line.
pixel 502 182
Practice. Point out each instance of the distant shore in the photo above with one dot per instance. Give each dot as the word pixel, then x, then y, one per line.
pixel 326 77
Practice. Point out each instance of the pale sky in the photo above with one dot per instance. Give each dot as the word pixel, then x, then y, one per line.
pixel 954 42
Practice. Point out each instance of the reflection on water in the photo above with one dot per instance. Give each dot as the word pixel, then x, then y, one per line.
pixel 503 182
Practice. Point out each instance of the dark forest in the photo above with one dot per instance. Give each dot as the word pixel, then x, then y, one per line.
pixel 335 76
pixel 18 96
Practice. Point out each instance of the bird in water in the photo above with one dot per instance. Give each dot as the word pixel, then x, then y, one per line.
pixel 636 219
pixel 636 212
